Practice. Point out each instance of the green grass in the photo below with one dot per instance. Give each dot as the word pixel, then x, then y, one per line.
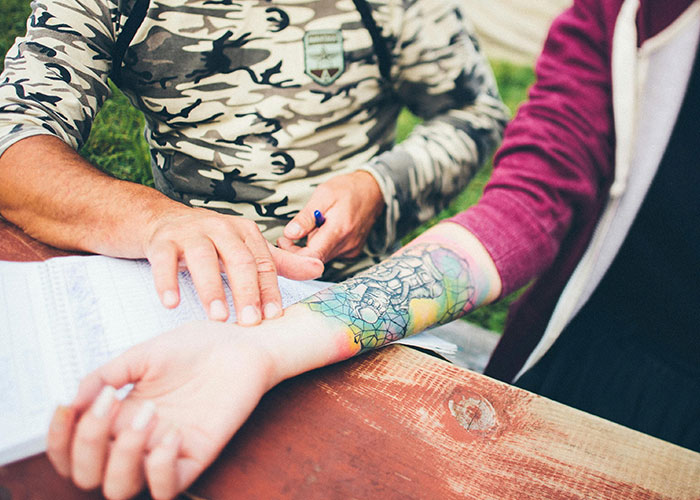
pixel 116 143
pixel 13 18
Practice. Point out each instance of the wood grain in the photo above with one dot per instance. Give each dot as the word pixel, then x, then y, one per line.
pixel 17 246
pixel 398 423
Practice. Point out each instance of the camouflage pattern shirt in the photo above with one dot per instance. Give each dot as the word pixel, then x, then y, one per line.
pixel 251 104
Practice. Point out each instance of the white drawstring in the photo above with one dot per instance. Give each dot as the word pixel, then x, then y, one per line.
pixel 624 84
pixel 624 57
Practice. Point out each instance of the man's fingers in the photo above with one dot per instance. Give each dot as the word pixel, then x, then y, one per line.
pixel 304 222
pixel 164 266
pixel 325 243
pixel 203 263
pixel 288 245
pixel 299 226
pixel 270 297
pixel 250 262
pixel 241 268
pixel 91 441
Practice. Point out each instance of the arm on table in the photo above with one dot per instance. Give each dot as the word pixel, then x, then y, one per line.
pixel 191 397
pixel 56 196
pixel 54 82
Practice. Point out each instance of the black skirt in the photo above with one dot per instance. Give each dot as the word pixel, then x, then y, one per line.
pixel 602 365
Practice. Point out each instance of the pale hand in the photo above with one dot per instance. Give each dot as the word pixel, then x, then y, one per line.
pixel 204 241
pixel 194 387
pixel 350 204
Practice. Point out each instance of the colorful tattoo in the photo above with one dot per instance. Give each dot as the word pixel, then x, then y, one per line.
pixel 426 284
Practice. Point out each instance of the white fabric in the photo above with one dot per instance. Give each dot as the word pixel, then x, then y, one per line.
pixel 513 30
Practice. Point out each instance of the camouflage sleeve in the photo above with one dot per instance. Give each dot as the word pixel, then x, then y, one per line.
pixel 55 77
pixel 441 75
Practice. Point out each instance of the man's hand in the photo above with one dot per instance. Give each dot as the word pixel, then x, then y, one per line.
pixel 78 207
pixel 204 241
pixel 193 388
pixel 350 203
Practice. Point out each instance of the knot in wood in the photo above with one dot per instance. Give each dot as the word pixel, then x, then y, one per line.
pixel 473 414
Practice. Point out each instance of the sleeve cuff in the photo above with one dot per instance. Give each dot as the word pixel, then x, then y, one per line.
pixel 515 241
pixel 383 234
pixel 8 138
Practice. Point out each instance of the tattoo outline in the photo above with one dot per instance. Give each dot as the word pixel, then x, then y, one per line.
pixel 425 284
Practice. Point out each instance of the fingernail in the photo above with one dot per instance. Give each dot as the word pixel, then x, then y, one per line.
pixel 169 299
pixel 104 401
pixel 320 267
pixel 249 316
pixel 293 230
pixel 217 311
pixel 143 416
pixel 171 438
pixel 272 310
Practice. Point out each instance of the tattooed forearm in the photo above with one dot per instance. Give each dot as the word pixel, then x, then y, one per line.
pixel 426 284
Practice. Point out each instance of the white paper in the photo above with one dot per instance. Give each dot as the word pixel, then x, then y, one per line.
pixel 62 318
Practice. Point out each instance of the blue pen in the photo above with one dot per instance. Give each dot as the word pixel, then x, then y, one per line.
pixel 319 218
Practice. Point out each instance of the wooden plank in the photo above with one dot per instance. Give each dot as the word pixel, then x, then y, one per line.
pixel 400 424
pixel 35 479
pixel 17 246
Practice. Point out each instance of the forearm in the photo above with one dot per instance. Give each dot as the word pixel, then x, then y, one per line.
pixel 204 379
pixel 551 174
pixel 56 196
pixel 440 276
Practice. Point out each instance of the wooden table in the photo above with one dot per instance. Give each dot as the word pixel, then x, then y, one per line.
pixel 399 424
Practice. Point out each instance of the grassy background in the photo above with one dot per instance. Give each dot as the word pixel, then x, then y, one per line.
pixel 116 143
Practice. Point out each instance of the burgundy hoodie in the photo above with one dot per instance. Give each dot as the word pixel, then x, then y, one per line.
pixel 552 174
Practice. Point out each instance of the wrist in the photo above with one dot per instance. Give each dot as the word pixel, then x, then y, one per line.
pixel 303 340
pixel 371 192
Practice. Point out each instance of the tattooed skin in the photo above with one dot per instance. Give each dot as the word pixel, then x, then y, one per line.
pixel 424 285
